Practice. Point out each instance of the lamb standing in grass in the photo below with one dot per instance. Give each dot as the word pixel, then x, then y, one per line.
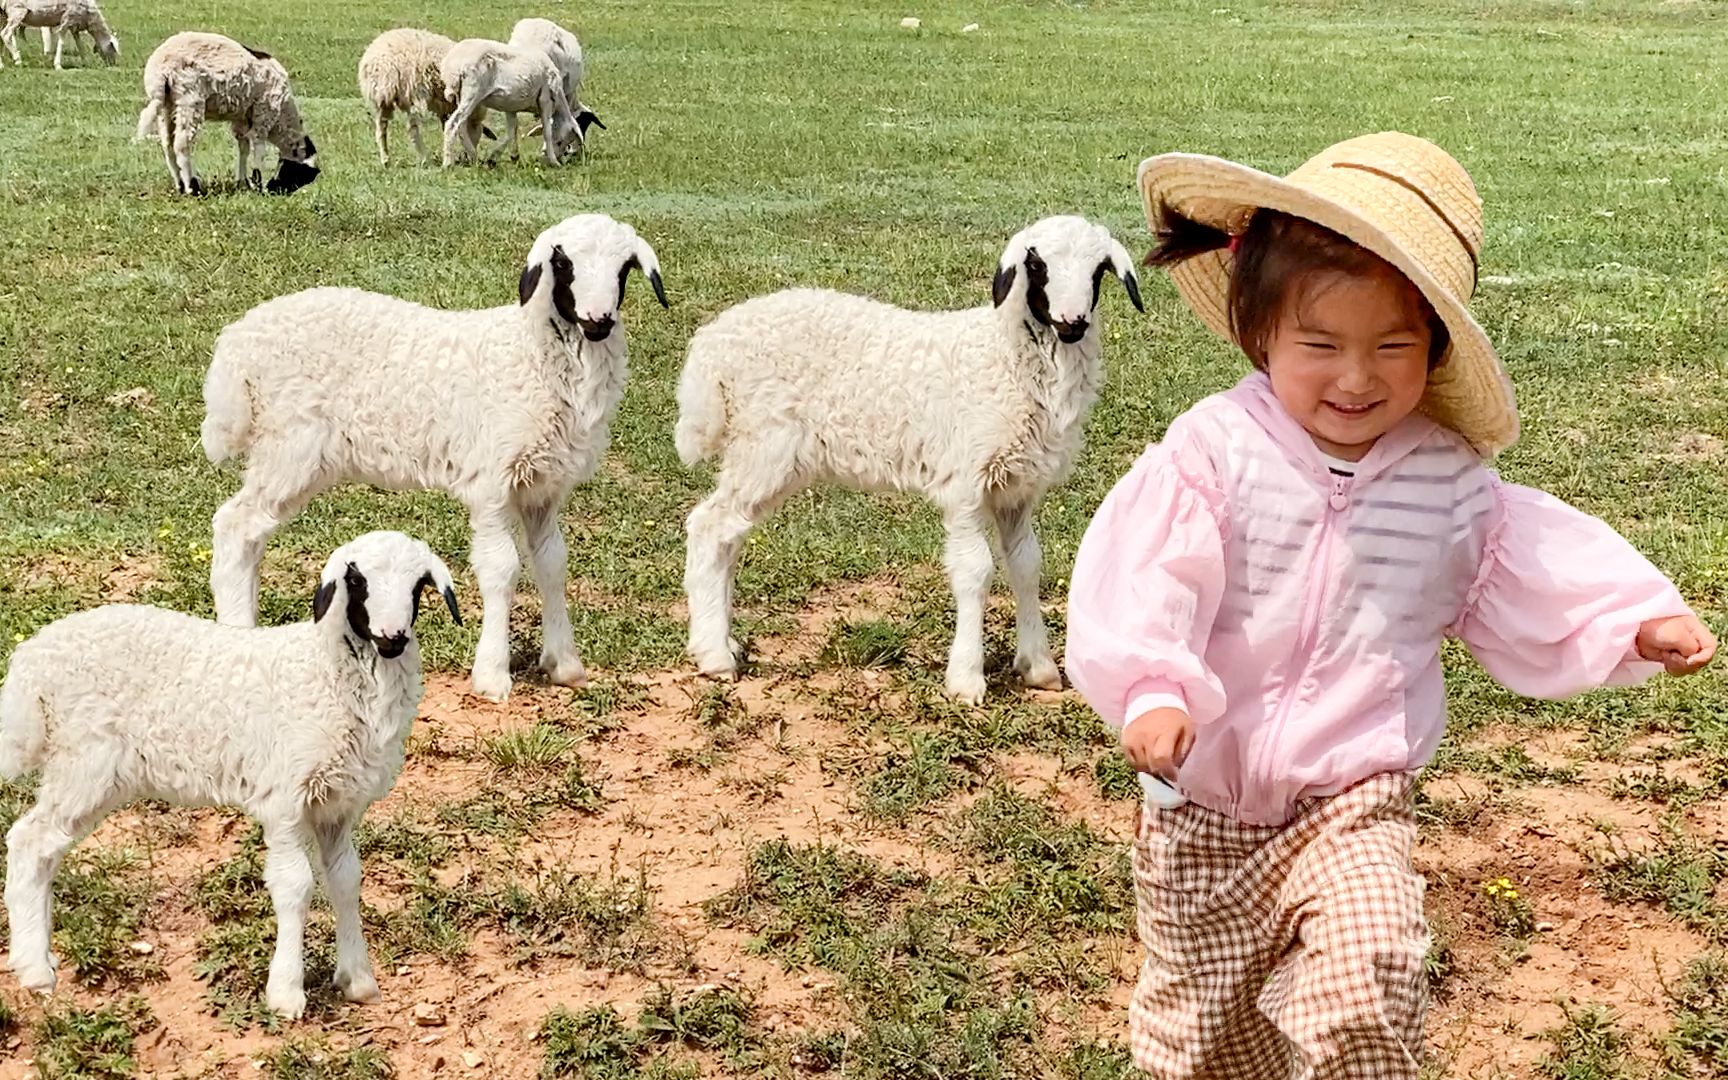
pixel 59 20
pixel 301 726
pixel 481 74
pixel 194 77
pixel 565 52
pixel 981 410
pixel 399 73
pixel 507 409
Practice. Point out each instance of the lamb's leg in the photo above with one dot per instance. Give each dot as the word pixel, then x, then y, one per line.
pixel 381 131
pixel 240 530
pixel 243 156
pixel 67 808
pixel 59 47
pixel 495 566
pixel 548 557
pixel 509 139
pixel 753 482
pixel 288 876
pixel 1021 562
pixel 188 119
pixel 354 975
pixel 456 131
pixel 9 33
pixel 967 557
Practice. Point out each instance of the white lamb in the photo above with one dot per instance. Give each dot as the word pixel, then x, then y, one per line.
pixel 481 74
pixel 507 409
pixel 980 410
pixel 399 73
pixel 566 54
pixel 193 77
pixel 301 726
pixel 59 20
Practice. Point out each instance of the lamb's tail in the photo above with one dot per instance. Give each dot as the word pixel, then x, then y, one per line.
pixel 23 725
pixel 701 430
pixel 155 107
pixel 227 429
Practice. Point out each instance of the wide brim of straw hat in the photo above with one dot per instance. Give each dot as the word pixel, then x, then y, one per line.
pixel 1469 391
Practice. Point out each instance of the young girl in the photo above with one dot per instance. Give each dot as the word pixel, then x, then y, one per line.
pixel 1259 604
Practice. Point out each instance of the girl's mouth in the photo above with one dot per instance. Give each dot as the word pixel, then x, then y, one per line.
pixel 1362 409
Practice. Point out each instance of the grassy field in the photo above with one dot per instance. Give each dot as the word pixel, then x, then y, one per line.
pixel 827 868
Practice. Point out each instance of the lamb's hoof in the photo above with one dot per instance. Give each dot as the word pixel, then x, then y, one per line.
pixel 492 687
pixel 288 1004
pixel 715 666
pixel 1039 674
pixel 967 687
pixel 37 977
pixel 196 186
pixel 361 987
pixel 568 672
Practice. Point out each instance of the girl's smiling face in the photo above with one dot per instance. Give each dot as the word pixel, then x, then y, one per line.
pixel 1349 357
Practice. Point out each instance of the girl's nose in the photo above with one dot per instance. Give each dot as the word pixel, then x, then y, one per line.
pixel 1357 376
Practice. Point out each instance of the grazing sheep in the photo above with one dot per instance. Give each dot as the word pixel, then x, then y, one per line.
pixel 566 54
pixel 507 409
pixel 980 410
pixel 194 77
pixel 301 726
pixel 59 20
pixel 399 72
pixel 481 75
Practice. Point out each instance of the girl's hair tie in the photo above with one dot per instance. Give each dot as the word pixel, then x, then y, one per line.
pixel 1235 242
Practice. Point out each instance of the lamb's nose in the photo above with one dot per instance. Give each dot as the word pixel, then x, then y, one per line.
pixel 595 329
pixel 391 647
pixel 1071 332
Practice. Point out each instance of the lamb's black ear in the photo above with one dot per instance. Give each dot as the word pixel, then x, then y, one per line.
pixel 586 119
pixel 450 602
pixel 529 281
pixel 1004 281
pixel 659 287
pixel 1133 286
pixel 321 600
pixel 563 274
pixel 259 53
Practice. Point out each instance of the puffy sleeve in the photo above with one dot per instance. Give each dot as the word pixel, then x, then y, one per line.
pixel 1145 591
pixel 1558 600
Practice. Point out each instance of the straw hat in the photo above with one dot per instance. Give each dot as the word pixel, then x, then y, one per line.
pixel 1401 197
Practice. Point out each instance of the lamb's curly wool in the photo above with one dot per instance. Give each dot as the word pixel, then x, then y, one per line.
pixel 480 74
pixel 193 77
pixel 980 410
pixel 301 726
pixel 59 20
pixel 506 408
pixel 399 73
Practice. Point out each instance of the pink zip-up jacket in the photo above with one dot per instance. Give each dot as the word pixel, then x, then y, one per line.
pixel 1297 615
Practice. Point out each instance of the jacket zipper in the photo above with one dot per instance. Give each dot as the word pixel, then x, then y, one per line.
pixel 1309 626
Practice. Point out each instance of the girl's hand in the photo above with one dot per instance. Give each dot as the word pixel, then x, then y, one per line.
pixel 1157 742
pixel 1681 643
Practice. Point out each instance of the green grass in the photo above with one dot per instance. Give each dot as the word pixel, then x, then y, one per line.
pixel 86 1044
pixel 311 1058
pixel 1589 1045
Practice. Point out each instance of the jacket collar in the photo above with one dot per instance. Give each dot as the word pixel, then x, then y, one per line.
pixel 1254 395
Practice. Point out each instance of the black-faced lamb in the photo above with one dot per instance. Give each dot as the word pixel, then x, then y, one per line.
pixel 481 74
pixel 980 410
pixel 301 726
pixel 507 409
pixel 193 77
pixel 399 73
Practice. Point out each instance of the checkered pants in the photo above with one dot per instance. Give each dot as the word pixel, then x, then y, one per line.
pixel 1273 953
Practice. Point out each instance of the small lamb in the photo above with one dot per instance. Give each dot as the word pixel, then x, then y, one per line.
pixel 507 409
pixel 481 74
pixel 193 77
pixel 566 54
pixel 59 20
pixel 399 73
pixel 980 410
pixel 301 726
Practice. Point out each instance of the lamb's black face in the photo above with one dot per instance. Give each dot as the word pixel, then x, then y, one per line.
pixel 291 176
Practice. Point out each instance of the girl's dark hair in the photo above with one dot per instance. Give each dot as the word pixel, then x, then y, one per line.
pixel 1279 252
